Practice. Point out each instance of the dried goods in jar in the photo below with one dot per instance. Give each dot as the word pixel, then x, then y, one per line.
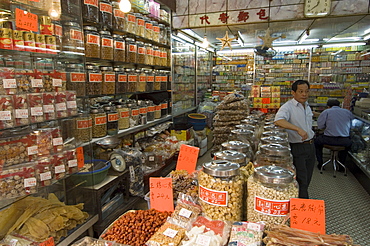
pixel 156 30
pixel 72 37
pixel 76 79
pixel 119 48
pixel 107 49
pixel 106 13
pixel 112 120
pixel 71 7
pixel 131 50
pixel 95 80
pixel 92 42
pixel 141 52
pixel 121 78
pixel 130 23
pixel 124 117
pixel 157 112
pixel 141 80
pixel 90 11
pixel 140 25
pixel 109 80
pixel 148 28
pixel 132 78
pixel 99 123
pixel 119 17
pixel 83 129
pixel 134 117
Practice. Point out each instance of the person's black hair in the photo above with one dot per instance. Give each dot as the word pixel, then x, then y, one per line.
pixel 299 82
pixel 333 102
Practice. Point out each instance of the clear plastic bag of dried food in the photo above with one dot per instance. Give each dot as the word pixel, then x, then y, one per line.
pixel 88 241
pixel 232 98
pixel 243 104
pixel 219 227
pixel 236 117
pixel 240 229
pixel 167 235
pixel 186 212
pixel 225 129
pixel 225 123
pixel 232 112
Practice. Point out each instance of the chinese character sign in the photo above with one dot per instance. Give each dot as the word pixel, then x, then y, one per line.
pixel 307 214
pixel 161 194
pixel 188 157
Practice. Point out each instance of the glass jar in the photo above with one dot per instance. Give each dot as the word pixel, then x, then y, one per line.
pixel 156 56
pixel 162 34
pixel 168 58
pixel 134 116
pixel 157 80
pixel 106 13
pixel 164 108
pixel 274 155
pixel 155 33
pixel 123 117
pixel 119 48
pixel 132 79
pixel 269 191
pixel 109 80
pixel 142 80
pixel 72 37
pixel 239 146
pixel 119 18
pixel 140 25
pixel 148 28
pixel 131 50
pixel 92 42
pixel 246 136
pixel 121 80
pixel 83 128
pixel 274 140
pixel 99 122
pixel 221 190
pixel 58 34
pixel 157 111
pixel 107 49
pixel 151 109
pixel 143 111
pixel 131 23
pixel 141 52
pixel 232 156
pixel 94 80
pixel 76 78
pixel 163 57
pixel 164 80
pixel 168 36
pixel 149 54
pixel 69 7
pixel 280 134
pixel 90 11
pixel 112 120
pixel 149 81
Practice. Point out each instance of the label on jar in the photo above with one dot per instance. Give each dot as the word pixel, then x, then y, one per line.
pixel 148 26
pixel 163 54
pixel 151 108
pixel 21 113
pixel 157 53
pixel 18 40
pixel 107 42
pixel 170 232
pixel 156 29
pixel 58 30
pixel 71 104
pixel 9 83
pixel 5 115
pixel 213 197
pixel 109 77
pixel 32 150
pixel 158 78
pixel 135 112
pixel 164 106
pixel 140 22
pixel 57 141
pixel 45 176
pixel 77 77
pixel 149 51
pixel 30 182
pixel 61 106
pixel 118 45
pixel 112 117
pixel 92 39
pixel 150 78
pixel 91 2
pixel 125 114
pixel 271 207
pixel 72 163
pixel 131 18
pixel 63 76
pixel 122 78
pixel 142 78
pixel 158 108
pixel 37 111
pixel 6 41
pixel 51 44
pixel 132 48
pixel 185 213
pixel 143 110
pixel 48 108
pixel 118 13
pixel 100 120
pixel 90 122
pixel 76 35
pixel 82 124
pixel 57 83
pixel 60 169
pixel 141 51
pixel 132 78
pixel 104 7
pixel 37 83
pixel 95 77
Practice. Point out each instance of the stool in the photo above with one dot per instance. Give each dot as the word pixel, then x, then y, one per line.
pixel 334 150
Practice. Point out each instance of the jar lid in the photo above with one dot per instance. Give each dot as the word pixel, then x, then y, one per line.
pixel 273 139
pixel 221 168
pixel 138 15
pixel 128 69
pixel 148 44
pixel 231 155
pixel 106 68
pixel 161 25
pixel 275 149
pixel 105 33
pixel 273 127
pixel 71 23
pixel 119 69
pixel 273 175
pixel 246 126
pixel 117 36
pixel 90 28
pixel 281 134
pixel 140 42
pixel 251 121
pixel 243 132
pixel 130 39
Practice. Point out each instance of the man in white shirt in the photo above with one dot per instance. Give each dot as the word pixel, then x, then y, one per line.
pixel 296 117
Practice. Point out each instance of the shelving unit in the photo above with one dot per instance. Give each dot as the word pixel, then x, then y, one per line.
pixel 204 71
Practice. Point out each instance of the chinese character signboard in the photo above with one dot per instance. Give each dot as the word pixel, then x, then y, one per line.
pixel 161 194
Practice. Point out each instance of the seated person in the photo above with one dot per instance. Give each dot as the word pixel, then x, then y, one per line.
pixel 336 123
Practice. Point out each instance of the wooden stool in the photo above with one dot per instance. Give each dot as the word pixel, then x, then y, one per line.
pixel 334 150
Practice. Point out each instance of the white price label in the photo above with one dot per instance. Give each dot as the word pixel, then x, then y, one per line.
pixel 57 141
pixel 60 169
pixel 37 83
pixel 254 226
pixel 5 115
pixel 9 83
pixel 170 232
pixel 185 213
pixel 57 83
pixel 61 106
pixel 132 173
pixel 72 163
pixel 45 176
pixel 151 158
pixel 71 104
pixel 33 150
pixel 48 108
pixel 21 113
pixel 203 240
pixel 37 111
pixel 29 182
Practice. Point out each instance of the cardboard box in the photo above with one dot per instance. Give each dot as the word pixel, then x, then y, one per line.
pixel 203 150
pixel 203 143
pixel 181 135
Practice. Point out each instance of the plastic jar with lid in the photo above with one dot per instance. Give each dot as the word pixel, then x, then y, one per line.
pixel 132 79
pixel 121 80
pixel 157 80
pixel 157 111
pixel 269 191
pixel 156 56
pixel 151 109
pixel 76 78
pixel 274 154
pixel 140 25
pixel 148 28
pixel 123 117
pixel 119 17
pixel 156 31
pixel 239 146
pixel 107 48
pixel 119 48
pixel 148 54
pixel 221 190
pixel 142 80
pixel 163 56
pixel 168 58
pixel 99 122
pixel 69 7
pixel 149 80
pixel 106 13
pixel 90 11
pixel 109 80
pixel 134 116
pixel 131 23
pixel 83 128
pixel 164 80
pixel 141 52
pixel 92 42
pixel 162 34
pixel 112 119
pixel 168 35
pixel 94 80
pixel 232 156
pixel 72 37
pixel 131 50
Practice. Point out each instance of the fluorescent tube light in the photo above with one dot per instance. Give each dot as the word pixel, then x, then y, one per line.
pixel 343 44
pixel 366 37
pixel 235 51
pixel 366 31
pixel 184 37
pixel 193 34
pixel 302 38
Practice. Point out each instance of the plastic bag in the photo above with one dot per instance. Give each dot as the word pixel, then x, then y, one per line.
pixel 168 234
pixel 246 233
pixel 87 241
pixel 219 227
pixel 198 235
pixel 186 212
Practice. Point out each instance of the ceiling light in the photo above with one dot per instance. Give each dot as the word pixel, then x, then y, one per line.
pixel 366 37
pixel 343 44
pixel 184 37
pixel 303 37
pixel 344 39
pixel 192 33
pixel 205 43
pixel 240 40
pixel 366 31
pixel 236 50
pixel 125 6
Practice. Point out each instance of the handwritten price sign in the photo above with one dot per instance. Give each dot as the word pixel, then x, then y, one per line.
pixel 307 214
pixel 161 194
pixel 80 157
pixel 188 157
pixel 26 20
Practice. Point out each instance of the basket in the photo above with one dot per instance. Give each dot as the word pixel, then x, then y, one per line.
pixel 198 121
pixel 93 177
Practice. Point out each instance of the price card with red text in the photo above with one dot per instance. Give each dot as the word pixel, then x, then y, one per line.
pixel 161 194
pixel 26 20
pixel 48 242
pixel 188 157
pixel 80 157
pixel 308 215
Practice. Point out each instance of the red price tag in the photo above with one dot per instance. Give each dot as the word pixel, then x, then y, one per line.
pixel 161 194
pixel 26 20
pixel 308 215
pixel 48 242
pixel 188 157
pixel 266 100
pixel 80 157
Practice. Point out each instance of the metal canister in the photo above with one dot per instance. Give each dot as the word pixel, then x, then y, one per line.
pixel 232 156
pixel 6 37
pixel 45 25
pixel 29 41
pixel 18 40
